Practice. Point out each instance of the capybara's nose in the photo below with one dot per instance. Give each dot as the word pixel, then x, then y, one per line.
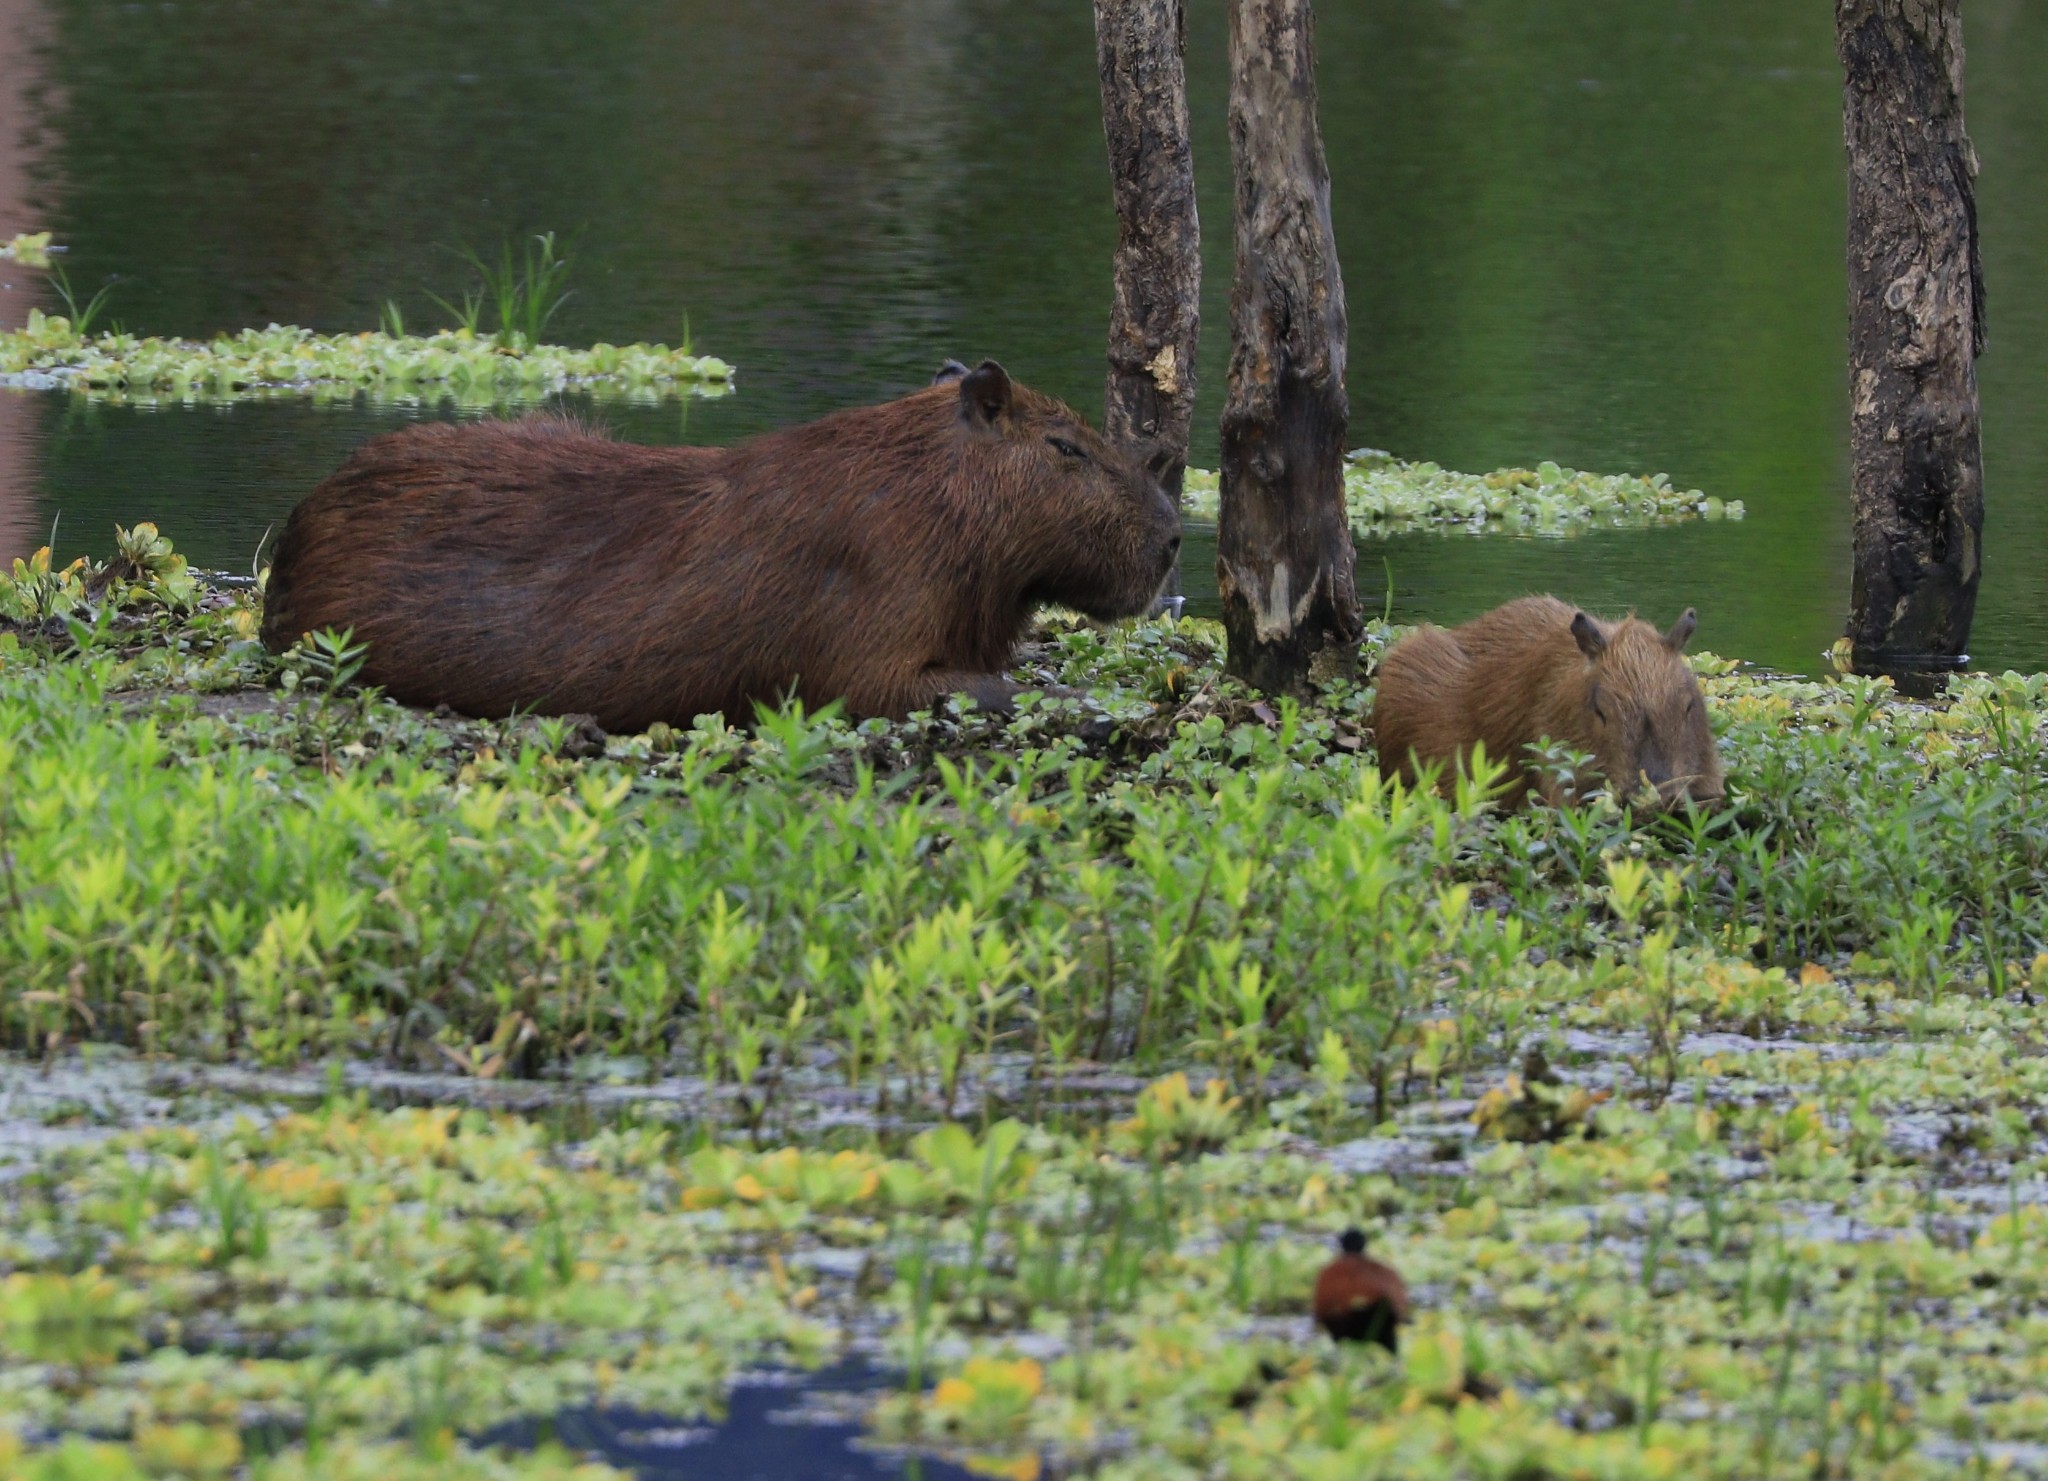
pixel 1173 546
pixel 1683 792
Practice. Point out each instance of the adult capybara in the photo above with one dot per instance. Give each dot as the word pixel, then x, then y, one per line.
pixel 1618 691
pixel 886 555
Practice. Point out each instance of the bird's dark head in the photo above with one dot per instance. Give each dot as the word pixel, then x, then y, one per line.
pixel 1352 1241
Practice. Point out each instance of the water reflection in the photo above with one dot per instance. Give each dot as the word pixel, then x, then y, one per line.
pixel 1612 237
pixel 777 1427
pixel 20 414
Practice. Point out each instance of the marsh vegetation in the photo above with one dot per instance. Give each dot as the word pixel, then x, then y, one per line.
pixel 1036 1067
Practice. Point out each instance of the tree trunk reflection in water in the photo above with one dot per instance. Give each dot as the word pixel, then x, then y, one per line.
pixel 20 411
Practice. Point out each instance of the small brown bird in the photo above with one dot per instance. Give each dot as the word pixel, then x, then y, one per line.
pixel 1359 1299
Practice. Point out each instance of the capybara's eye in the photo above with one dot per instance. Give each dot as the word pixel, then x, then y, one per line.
pixel 1066 448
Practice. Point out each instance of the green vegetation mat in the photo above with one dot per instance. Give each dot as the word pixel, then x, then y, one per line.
pixel 29 248
pixel 1385 496
pixel 1040 1066
pixel 282 361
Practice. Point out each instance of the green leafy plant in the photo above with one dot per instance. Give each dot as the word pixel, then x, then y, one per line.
pixel 82 315
pixel 525 291
pixel 469 314
pixel 326 661
pixel 239 1225
pixel 1759 1203
pixel 286 362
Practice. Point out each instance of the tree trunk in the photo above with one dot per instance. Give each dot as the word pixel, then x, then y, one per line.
pixel 1916 326
pixel 1283 544
pixel 1157 314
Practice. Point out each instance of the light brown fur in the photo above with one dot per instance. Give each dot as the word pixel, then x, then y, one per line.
pixel 1619 691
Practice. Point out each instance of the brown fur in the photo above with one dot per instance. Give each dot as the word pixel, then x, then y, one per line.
pixel 886 555
pixel 1619 691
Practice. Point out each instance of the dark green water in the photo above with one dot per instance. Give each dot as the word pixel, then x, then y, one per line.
pixel 1605 234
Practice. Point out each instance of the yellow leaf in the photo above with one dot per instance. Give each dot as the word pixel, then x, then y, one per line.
pixel 952 1393
pixel 188 1449
pixel 1007 1468
pixel 1435 1364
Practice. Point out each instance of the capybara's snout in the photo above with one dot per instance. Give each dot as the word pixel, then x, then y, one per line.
pixel 1692 791
pixel 1657 791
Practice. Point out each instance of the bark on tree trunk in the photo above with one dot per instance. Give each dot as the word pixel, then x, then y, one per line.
pixel 1283 544
pixel 1916 326
pixel 1156 317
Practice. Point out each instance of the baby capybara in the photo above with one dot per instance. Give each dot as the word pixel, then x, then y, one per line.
pixel 1619 691
pixel 886 555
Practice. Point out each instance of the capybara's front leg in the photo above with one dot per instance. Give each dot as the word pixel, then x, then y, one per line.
pixel 991 692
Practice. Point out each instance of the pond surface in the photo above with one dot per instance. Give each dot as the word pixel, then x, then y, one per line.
pixel 1611 236
pixel 776 1427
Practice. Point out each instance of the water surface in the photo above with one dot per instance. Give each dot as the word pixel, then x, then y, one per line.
pixel 776 1427
pixel 1611 236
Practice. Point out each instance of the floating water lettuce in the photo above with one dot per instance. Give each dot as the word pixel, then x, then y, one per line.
pixel 282 360
pixel 29 248
pixel 144 570
pixel 1385 496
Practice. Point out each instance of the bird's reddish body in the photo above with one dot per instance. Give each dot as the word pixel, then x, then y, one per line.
pixel 1359 1299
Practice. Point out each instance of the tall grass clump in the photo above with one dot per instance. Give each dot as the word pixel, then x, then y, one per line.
pixel 525 291
pixel 82 315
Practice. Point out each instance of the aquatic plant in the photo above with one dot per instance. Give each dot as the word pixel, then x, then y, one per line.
pixel 526 292
pixel 1713 1142
pixel 53 351
pixel 29 248
pixel 1232 884
pixel 1172 1121
pixel 82 315
pixel 1385 495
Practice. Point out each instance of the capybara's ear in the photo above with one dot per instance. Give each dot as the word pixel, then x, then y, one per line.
pixel 948 372
pixel 1586 633
pixel 1682 631
pixel 985 393
pixel 1160 462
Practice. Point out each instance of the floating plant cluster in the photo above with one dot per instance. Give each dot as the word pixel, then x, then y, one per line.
pixel 281 361
pixel 1384 496
pixel 29 248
